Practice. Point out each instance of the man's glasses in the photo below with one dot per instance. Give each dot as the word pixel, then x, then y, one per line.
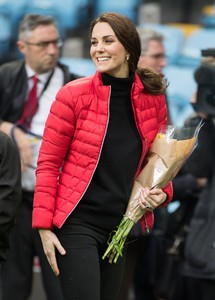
pixel 156 56
pixel 45 44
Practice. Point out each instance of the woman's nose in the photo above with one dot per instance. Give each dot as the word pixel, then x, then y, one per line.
pixel 100 47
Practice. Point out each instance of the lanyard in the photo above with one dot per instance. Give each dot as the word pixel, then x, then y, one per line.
pixel 46 84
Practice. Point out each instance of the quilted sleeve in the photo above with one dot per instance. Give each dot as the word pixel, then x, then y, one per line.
pixel 59 130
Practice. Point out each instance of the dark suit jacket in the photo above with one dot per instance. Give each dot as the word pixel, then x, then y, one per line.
pixel 13 88
pixel 10 190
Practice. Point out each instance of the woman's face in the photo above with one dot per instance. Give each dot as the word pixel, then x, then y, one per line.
pixel 108 54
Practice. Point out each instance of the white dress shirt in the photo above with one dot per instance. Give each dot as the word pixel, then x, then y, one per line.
pixel 39 119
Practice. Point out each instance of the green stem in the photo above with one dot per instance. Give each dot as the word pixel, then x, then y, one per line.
pixel 115 247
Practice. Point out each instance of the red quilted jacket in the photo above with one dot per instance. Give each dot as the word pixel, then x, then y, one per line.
pixel 72 144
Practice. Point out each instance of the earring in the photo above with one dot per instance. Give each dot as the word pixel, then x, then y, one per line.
pixel 127 56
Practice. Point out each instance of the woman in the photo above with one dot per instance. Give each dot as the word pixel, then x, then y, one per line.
pixel 97 135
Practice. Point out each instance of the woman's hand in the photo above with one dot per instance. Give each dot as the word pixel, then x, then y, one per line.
pixel 24 147
pixel 50 242
pixel 22 143
pixel 151 199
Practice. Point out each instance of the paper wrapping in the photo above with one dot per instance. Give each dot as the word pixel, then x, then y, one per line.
pixel 163 161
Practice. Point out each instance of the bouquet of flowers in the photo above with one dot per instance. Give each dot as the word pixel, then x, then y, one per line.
pixel 168 153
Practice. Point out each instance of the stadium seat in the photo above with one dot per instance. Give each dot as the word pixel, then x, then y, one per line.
pixel 179 92
pixel 187 28
pixel 125 7
pixel 44 7
pixel 198 40
pixel 79 66
pixel 6 30
pixel 5 38
pixel 208 16
pixel 173 39
pixel 73 13
pixel 17 11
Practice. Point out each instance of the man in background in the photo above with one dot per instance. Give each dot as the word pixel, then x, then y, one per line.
pixel 152 50
pixel 27 90
pixel 152 56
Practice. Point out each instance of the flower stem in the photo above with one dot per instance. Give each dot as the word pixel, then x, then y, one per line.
pixel 115 248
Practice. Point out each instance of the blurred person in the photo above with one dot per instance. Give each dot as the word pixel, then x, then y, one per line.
pixel 10 191
pixel 198 264
pixel 170 283
pixel 27 89
pixel 153 53
pixel 199 261
pixel 193 189
pixel 142 249
pixel 96 137
pixel 152 50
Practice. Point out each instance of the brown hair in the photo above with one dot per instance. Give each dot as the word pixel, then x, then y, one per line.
pixel 128 36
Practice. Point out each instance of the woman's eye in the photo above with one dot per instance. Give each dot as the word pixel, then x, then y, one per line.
pixel 109 41
pixel 93 43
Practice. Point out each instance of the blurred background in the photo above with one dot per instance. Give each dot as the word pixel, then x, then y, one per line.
pixel 74 17
pixel 187 25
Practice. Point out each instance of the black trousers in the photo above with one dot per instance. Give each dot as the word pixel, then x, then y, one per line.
pixel 83 272
pixel 16 272
pixel 199 289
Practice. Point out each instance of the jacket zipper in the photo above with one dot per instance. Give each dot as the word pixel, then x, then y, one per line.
pixel 142 156
pixel 97 160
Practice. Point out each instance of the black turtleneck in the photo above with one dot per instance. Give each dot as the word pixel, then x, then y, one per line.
pixel 106 198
